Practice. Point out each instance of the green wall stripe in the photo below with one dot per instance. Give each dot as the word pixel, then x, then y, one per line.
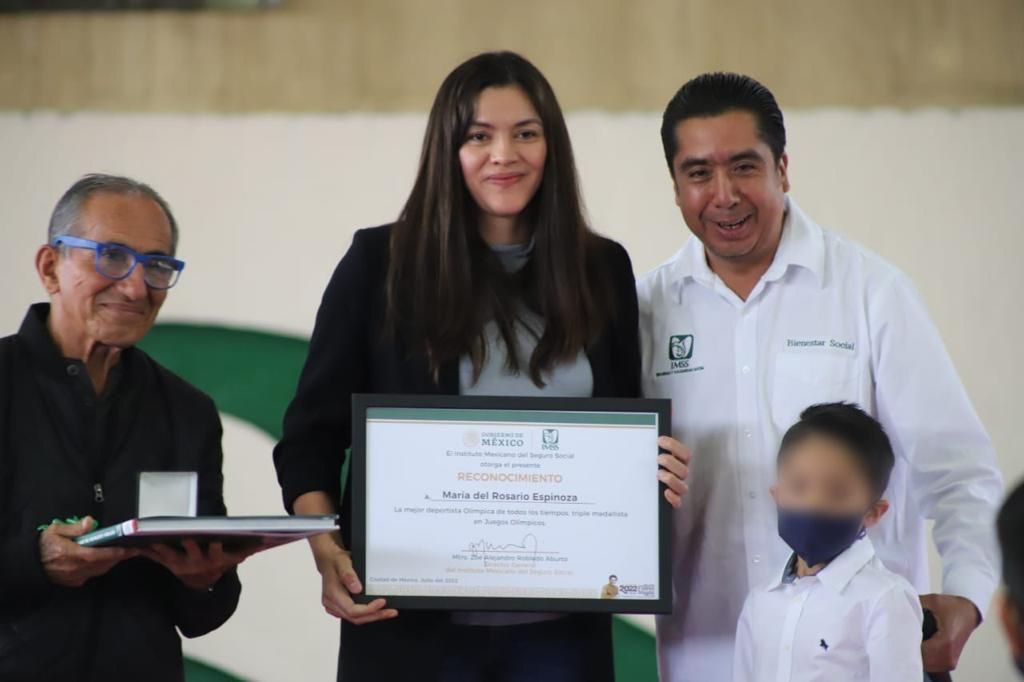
pixel 197 671
pixel 635 656
pixel 252 375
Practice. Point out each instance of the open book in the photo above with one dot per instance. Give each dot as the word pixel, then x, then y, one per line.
pixel 235 532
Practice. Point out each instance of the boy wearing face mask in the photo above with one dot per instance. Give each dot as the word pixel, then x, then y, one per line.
pixel 1011 602
pixel 835 613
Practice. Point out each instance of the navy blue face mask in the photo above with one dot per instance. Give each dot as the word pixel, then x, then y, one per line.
pixel 818 538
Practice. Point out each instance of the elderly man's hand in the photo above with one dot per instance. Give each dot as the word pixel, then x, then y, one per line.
pixel 673 469
pixel 956 618
pixel 194 567
pixel 67 563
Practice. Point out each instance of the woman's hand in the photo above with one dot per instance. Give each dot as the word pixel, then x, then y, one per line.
pixel 340 582
pixel 673 469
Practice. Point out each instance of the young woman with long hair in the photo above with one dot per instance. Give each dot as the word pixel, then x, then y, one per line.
pixel 489 283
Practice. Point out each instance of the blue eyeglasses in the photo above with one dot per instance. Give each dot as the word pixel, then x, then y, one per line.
pixel 116 262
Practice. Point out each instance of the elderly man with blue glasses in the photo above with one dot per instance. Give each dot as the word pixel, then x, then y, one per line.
pixel 82 413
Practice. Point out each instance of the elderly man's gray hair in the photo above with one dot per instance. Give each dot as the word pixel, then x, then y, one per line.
pixel 64 221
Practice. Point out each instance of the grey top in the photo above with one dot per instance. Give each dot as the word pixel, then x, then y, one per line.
pixel 567 380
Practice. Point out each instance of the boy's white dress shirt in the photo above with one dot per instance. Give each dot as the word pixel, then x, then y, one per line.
pixel 854 620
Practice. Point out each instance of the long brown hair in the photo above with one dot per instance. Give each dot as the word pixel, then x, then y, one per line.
pixel 444 283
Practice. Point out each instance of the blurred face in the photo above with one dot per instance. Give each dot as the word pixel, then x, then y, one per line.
pixel 87 307
pixel 504 151
pixel 819 475
pixel 729 188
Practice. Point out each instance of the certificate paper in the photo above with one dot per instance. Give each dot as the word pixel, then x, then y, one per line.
pixel 510 503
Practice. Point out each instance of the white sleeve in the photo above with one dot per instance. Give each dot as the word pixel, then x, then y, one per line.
pixel 894 636
pixel 743 657
pixel 952 473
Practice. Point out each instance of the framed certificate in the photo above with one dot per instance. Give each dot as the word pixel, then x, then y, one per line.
pixel 510 504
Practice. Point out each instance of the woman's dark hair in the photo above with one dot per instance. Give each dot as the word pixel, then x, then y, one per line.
pixel 712 94
pixel 444 283
pixel 856 430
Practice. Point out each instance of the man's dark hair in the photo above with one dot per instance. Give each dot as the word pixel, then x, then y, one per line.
pixel 856 430
pixel 1010 526
pixel 717 93
pixel 613 576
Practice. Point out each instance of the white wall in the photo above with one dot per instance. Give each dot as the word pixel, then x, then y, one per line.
pixel 268 204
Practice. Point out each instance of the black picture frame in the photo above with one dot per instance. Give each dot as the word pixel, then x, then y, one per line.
pixel 660 604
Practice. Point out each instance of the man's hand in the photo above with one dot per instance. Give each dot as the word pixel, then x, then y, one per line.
pixel 197 569
pixel 67 563
pixel 673 469
pixel 956 618
pixel 340 582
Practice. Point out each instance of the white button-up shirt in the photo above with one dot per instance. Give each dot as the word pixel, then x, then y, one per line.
pixel 828 321
pixel 854 620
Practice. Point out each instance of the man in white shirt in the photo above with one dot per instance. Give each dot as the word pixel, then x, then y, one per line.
pixel 761 314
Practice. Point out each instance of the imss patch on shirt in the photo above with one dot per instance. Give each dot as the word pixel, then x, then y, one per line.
pixel 680 355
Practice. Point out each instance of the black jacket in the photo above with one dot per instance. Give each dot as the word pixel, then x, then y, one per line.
pixel 348 354
pixel 58 460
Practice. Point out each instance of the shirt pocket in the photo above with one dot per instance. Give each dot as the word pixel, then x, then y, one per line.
pixel 805 379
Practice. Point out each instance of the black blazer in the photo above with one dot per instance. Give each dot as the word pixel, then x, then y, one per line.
pixel 349 354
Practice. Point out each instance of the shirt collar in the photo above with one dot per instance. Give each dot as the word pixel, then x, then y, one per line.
pixel 34 334
pixel 802 245
pixel 513 257
pixel 840 571
pixel 789 573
